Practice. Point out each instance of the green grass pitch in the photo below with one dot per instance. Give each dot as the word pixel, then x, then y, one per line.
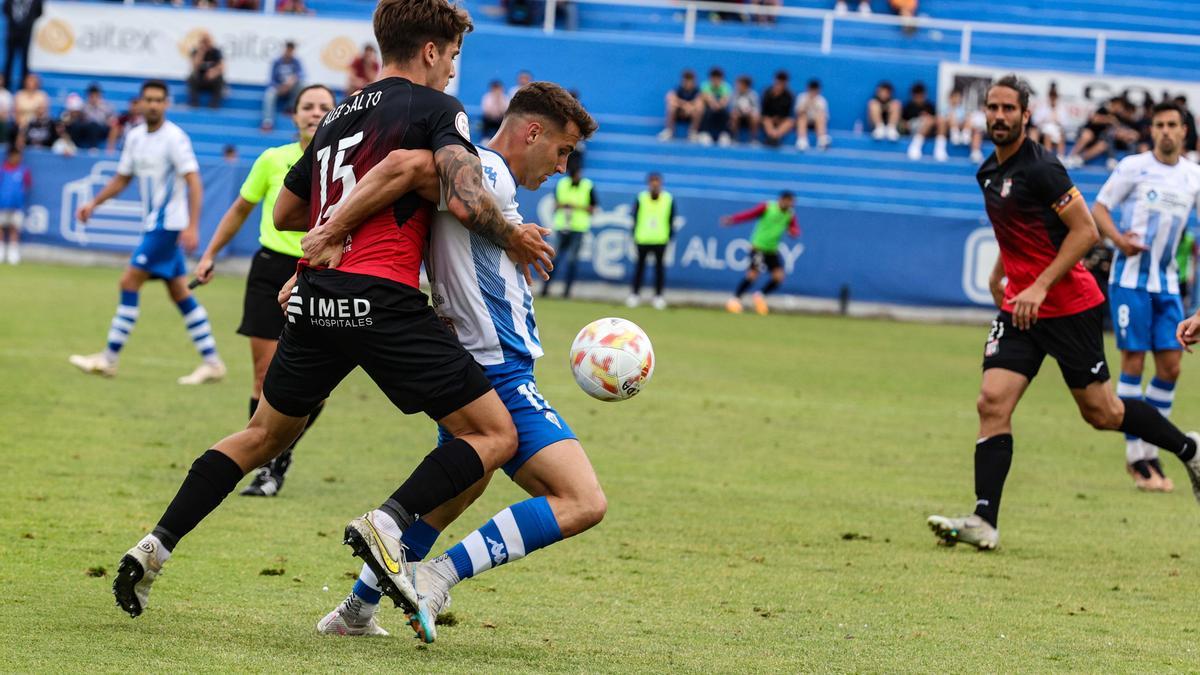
pixel 767 494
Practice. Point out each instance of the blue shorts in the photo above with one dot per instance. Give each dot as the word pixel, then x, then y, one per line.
pixel 159 255
pixel 1145 321
pixel 538 424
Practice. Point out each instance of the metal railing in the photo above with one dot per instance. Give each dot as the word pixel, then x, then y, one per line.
pixel 829 19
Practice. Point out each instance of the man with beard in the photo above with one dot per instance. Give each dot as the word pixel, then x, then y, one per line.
pixel 1050 306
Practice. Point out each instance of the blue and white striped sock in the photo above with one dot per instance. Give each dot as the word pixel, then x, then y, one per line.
pixel 511 535
pixel 122 324
pixel 418 538
pixel 196 319
pixel 1161 395
pixel 1129 388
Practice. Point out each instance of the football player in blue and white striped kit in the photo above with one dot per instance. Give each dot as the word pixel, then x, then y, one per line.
pixel 1155 192
pixel 160 155
pixel 485 299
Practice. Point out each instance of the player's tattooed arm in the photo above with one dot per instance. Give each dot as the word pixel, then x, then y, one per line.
pixel 462 182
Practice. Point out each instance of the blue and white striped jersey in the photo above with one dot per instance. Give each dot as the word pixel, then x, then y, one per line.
pixel 1155 200
pixel 160 160
pixel 477 289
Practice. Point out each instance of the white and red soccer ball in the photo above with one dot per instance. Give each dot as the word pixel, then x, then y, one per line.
pixel 612 359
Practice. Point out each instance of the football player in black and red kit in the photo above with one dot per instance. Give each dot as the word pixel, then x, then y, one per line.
pixel 1050 306
pixel 368 311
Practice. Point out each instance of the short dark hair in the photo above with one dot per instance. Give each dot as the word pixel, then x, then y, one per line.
pixel 155 84
pixel 716 71
pixel 551 102
pixel 884 84
pixel 310 87
pixel 787 194
pixel 745 79
pixel 1017 84
pixel 782 75
pixel 94 88
pixel 403 27
pixel 1168 106
pixel 653 175
pixel 917 88
pixel 814 83
pixel 290 44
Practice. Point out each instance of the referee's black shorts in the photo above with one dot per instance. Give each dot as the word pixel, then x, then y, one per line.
pixel 1075 341
pixel 337 321
pixel 261 316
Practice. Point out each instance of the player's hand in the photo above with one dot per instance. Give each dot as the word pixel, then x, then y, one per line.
pixel 204 268
pixel 725 221
pixel 84 213
pixel 1130 243
pixel 322 247
pixel 1026 306
pixel 189 239
pixel 285 294
pixel 528 247
pixel 1187 331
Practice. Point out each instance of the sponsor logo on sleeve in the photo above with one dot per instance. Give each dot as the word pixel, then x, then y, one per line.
pixel 463 126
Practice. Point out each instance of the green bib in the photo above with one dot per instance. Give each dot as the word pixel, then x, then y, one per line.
pixel 579 198
pixel 262 186
pixel 653 225
pixel 770 228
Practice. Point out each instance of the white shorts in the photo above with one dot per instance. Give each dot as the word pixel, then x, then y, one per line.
pixel 11 217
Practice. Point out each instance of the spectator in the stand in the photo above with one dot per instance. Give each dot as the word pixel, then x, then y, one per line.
pixel 653 227
pixel 864 7
pixel 744 112
pixel 574 204
pixel 6 109
pixel 15 183
pixel 883 111
pixel 1125 134
pixel 683 105
pixel 124 122
pixel 292 7
pixel 1094 138
pixel 777 101
pixel 524 77
pixel 19 16
pixel 907 10
pixel 229 153
pixel 363 69
pixel 493 105
pixel 247 5
pixel 812 108
pixel 765 18
pixel 964 126
pixel 287 78
pixel 1049 118
pixel 27 101
pixel 208 73
pixel 90 128
pixel 919 118
pixel 1191 142
pixel 206 4
pixel 42 131
pixel 715 95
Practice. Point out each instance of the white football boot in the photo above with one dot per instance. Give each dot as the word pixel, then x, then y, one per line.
pixel 207 371
pixel 348 620
pixel 434 586
pixel 1193 466
pixel 971 530
pixel 135 574
pixel 386 556
pixel 94 364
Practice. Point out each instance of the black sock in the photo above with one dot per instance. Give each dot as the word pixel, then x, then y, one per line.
pixel 1156 465
pixel 280 465
pixel 443 475
pixel 993 457
pixel 771 286
pixel 742 287
pixel 253 406
pixel 1142 467
pixel 1144 421
pixel 212 477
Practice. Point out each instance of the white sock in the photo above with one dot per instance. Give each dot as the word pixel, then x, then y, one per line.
pixel 161 552
pixel 386 523
pixel 1133 450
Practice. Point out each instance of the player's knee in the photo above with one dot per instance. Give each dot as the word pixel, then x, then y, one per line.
pixel 1101 416
pixel 1168 372
pixel 593 507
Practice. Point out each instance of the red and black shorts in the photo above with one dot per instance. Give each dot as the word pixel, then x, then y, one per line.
pixel 337 321
pixel 762 259
pixel 1075 341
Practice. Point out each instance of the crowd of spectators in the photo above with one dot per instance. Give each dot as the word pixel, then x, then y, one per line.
pixel 281 6
pixel 715 112
pixel 918 119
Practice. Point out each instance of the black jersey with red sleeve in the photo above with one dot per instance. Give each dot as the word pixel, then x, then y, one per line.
pixel 391 114
pixel 1024 197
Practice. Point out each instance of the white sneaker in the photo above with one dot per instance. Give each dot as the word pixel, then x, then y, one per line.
pixel 914 148
pixel 386 557
pixel 347 620
pixel 666 134
pixel 1073 162
pixel 14 255
pixel 724 140
pixel 879 133
pixel 802 143
pixel 893 134
pixel 205 372
pixel 1111 164
pixel 135 574
pixel 632 301
pixel 704 139
pixel 693 137
pixel 977 156
pixel 824 142
pixel 659 302
pixel 864 8
pixel 95 364
pixel 971 530
pixel 1193 466
pixel 840 8
pixel 939 149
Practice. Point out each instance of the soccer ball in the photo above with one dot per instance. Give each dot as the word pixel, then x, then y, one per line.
pixel 612 359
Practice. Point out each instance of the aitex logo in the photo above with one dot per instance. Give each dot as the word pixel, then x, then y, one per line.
pixel 56 36
pixel 339 53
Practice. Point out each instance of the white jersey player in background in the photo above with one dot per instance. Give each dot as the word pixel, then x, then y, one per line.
pixel 1155 192
pixel 160 155
pixel 485 299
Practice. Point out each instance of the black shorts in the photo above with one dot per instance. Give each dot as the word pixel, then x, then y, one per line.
pixel 261 316
pixel 1075 341
pixel 760 259
pixel 337 321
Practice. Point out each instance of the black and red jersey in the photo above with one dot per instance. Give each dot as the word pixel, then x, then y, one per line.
pixel 391 114
pixel 1024 197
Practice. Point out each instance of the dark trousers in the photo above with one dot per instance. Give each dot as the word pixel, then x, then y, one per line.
pixel 715 122
pixel 198 83
pixel 644 251
pixel 16 45
pixel 569 243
